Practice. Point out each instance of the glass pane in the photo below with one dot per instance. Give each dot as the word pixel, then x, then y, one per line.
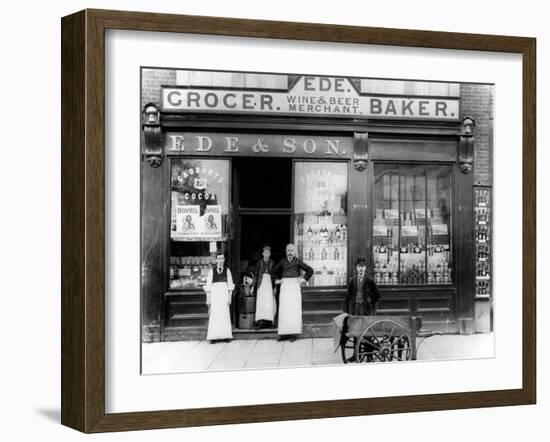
pixel 439 224
pixel 385 236
pixel 199 213
pixel 412 217
pixel 320 220
pixel 411 241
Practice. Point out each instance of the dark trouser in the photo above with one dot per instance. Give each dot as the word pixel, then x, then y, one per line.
pixel 263 323
pixel 361 309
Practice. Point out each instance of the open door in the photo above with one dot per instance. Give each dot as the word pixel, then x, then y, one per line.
pixel 262 198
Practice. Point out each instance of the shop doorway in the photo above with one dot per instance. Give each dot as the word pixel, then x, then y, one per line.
pixel 260 230
pixel 263 199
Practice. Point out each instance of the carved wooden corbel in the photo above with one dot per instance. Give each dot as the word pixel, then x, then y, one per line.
pixel 360 150
pixel 153 134
pixel 466 145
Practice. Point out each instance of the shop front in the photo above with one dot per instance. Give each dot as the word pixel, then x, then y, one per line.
pixel 342 173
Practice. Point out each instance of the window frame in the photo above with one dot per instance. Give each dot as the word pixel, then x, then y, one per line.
pixel 452 225
pixel 350 235
pixel 228 223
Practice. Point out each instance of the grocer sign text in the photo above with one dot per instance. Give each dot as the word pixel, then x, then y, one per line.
pixel 314 96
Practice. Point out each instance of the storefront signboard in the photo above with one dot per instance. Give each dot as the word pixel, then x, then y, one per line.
pixel 269 145
pixel 310 95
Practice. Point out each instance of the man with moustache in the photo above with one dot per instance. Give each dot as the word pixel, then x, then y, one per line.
pixel 290 296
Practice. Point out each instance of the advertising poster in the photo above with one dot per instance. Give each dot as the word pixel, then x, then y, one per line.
pixel 212 223
pixel 187 222
pixel 192 226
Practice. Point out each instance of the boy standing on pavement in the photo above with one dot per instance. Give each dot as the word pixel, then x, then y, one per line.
pixel 362 297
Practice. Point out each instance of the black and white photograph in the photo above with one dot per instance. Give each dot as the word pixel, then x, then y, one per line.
pixel 275 220
pixel 301 220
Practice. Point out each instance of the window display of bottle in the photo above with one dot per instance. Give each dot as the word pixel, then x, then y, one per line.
pixel 411 231
pixel 320 220
pixel 412 257
pixel 323 249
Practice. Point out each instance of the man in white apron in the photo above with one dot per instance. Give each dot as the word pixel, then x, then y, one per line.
pixel 290 296
pixel 265 299
pixel 219 288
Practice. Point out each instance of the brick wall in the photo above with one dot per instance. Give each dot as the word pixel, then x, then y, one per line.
pixel 477 101
pixel 152 80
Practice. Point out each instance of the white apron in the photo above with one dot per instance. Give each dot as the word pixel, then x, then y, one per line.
pixel 219 321
pixel 290 307
pixel 265 300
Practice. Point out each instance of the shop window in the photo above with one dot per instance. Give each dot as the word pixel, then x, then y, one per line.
pixel 320 220
pixel 412 224
pixel 199 214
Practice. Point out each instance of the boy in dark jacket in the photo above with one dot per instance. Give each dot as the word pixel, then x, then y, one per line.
pixel 362 297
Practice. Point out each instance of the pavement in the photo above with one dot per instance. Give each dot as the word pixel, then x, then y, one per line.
pixel 193 356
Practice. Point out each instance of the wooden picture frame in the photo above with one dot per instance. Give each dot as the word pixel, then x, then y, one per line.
pixel 83 219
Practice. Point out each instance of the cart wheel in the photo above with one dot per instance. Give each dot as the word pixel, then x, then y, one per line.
pixel 347 350
pixel 384 340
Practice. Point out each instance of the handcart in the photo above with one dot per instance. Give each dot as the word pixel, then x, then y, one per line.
pixel 378 338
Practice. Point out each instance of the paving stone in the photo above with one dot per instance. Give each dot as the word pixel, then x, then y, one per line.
pixel 192 356
pixel 200 357
pixel 233 356
pixel 163 357
pixel 323 352
pixel 297 353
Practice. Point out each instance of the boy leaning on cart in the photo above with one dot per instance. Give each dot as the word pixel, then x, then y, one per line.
pixel 362 296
